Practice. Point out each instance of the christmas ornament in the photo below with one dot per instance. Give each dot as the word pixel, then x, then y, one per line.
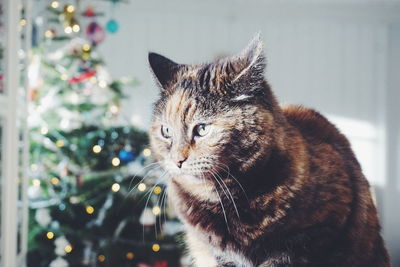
pixel 112 26
pixel 61 243
pixel 82 77
pixel 42 216
pixel 95 33
pixel 126 155
pixel 59 262
pixel 89 12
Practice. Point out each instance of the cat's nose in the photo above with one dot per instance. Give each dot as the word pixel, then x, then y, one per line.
pixel 179 162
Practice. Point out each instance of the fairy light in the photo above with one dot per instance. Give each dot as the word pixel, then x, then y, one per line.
pixel 64 77
pixel 156 210
pixel 96 149
pixel 68 248
pixel 142 187
pixel 157 190
pixel 93 80
pixel 50 235
pixel 44 130
pixel 101 258
pixel 115 162
pixel 103 84
pixel 89 209
pixel 55 181
pixel 155 247
pixel 34 167
pixel 60 143
pixel 114 109
pixel 55 4
pixel 22 22
pixel 115 187
pixel 86 47
pixel 147 152
pixel 76 28
pixel 48 34
pixel 70 8
pixel 130 255
pixel 68 29
pixel 36 182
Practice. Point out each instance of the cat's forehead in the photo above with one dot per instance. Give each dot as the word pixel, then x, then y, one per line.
pixel 181 106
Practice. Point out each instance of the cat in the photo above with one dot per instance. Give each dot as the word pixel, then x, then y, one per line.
pixel 256 184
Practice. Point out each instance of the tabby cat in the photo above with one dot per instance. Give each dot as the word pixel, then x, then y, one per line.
pixel 256 184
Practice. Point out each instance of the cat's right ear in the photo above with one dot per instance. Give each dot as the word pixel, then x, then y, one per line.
pixel 164 70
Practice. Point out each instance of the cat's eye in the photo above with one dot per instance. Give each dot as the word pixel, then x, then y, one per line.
pixel 201 129
pixel 165 131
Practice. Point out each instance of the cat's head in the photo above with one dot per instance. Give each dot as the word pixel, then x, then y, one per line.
pixel 212 117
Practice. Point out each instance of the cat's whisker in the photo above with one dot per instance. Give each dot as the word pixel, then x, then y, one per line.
pixel 142 169
pixel 220 166
pixel 223 208
pixel 229 192
pixel 144 177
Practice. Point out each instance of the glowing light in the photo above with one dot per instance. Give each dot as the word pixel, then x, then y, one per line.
pixel 115 162
pixel 50 235
pixel 60 143
pixel 55 181
pixel 70 8
pixel 96 149
pixel 156 210
pixel 68 29
pixel 76 28
pixel 147 152
pixel 48 34
pixel 34 167
pixel 64 77
pixel 36 182
pixel 44 130
pixel 103 84
pixel 22 22
pixel 86 47
pixel 115 187
pixel 68 248
pixel 89 209
pixel 141 187
pixel 157 190
pixel 130 255
pixel 101 258
pixel 55 4
pixel 93 80
pixel 155 247
pixel 114 109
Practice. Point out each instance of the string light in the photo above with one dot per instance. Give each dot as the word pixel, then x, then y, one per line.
pixel 114 109
pixel 55 181
pixel 50 235
pixel 60 143
pixel 130 255
pixel 22 22
pixel 146 152
pixel 70 8
pixel 101 258
pixel 115 187
pixel 156 210
pixel 55 4
pixel 68 29
pixel 76 28
pixel 86 47
pixel 44 130
pixel 34 167
pixel 103 84
pixel 157 190
pixel 48 34
pixel 68 248
pixel 64 77
pixel 155 247
pixel 36 182
pixel 96 149
pixel 115 162
pixel 89 209
pixel 142 187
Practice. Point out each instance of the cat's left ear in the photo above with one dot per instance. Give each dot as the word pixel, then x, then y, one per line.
pixel 164 70
pixel 249 65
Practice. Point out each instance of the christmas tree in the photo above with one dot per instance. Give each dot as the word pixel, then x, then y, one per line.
pixel 96 199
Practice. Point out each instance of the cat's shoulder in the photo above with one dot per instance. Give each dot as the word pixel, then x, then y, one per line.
pixel 312 124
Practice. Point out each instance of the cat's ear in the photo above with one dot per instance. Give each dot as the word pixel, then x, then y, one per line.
pixel 164 70
pixel 249 65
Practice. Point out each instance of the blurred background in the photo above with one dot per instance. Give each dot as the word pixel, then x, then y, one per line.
pixel 95 199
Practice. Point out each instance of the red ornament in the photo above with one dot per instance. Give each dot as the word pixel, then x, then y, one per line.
pixel 161 264
pixel 89 12
pixel 95 33
pixel 83 77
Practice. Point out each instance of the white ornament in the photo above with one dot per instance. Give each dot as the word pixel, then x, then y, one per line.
pixel 61 243
pixel 34 192
pixel 59 262
pixel 147 218
pixel 42 216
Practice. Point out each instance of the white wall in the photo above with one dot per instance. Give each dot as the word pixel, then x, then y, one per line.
pixel 333 56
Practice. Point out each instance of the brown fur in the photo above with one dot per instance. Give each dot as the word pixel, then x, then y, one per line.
pixel 267 186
